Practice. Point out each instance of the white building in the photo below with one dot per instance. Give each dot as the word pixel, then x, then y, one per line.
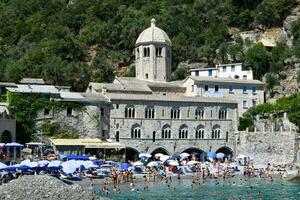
pixel 233 70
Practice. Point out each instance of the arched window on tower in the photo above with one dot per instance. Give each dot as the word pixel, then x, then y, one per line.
pixel 199 132
pixel 137 53
pixel 216 132
pixel 146 51
pixel 183 132
pixel 223 113
pixel 166 132
pixel 158 51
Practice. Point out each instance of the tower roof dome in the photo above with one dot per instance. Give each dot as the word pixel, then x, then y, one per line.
pixel 153 34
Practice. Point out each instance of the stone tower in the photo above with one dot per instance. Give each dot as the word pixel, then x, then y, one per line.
pixel 153 55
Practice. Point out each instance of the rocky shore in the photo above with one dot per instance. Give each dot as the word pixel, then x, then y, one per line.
pixel 38 187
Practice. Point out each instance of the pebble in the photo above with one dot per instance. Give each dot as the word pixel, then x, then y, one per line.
pixel 38 187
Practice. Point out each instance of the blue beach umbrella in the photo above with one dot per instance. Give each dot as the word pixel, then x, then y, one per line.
pixel 2 166
pixel 203 155
pixel 211 154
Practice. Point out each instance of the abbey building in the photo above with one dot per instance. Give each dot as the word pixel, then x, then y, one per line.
pixel 150 113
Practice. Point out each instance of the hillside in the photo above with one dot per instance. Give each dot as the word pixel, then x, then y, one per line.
pixel 73 42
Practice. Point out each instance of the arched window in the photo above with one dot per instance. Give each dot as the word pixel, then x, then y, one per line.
pixel 216 132
pixel 6 137
pixel 166 132
pixel 129 112
pixel 137 53
pixel 183 132
pixel 149 112
pixel 136 131
pixel 146 51
pixel 175 113
pixel 199 132
pixel 199 113
pixel 158 52
pixel 222 113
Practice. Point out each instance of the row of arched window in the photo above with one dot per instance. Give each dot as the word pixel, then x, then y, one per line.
pixel 182 134
pixel 146 52
pixel 175 113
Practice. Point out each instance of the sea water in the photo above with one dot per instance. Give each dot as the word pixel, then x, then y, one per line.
pixel 251 188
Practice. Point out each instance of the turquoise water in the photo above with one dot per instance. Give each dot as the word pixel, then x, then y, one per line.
pixel 229 189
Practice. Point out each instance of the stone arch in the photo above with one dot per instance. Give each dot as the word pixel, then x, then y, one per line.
pixel 160 150
pixel 193 150
pixel 6 137
pixel 130 153
pixel 227 151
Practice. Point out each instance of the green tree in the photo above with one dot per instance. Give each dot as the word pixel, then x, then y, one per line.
pixel 257 57
pixel 271 82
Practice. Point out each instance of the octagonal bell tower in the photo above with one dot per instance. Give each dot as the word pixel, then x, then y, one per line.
pixel 153 55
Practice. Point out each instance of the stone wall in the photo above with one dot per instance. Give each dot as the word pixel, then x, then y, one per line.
pixel 87 121
pixel 263 147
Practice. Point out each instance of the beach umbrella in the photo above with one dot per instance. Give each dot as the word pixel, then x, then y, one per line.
pixel 43 163
pixel 175 157
pixel 138 163
pixel 2 165
pixel 89 164
pixel 192 162
pixel 211 154
pixel 124 166
pixel 92 158
pixel 241 156
pixel 14 144
pixel 164 158
pixel 203 155
pixel 12 167
pixel 153 164
pixel 54 165
pixel 184 155
pixel 173 162
pixel 24 162
pixel 220 155
pixel 27 150
pixel 147 155
pixel 35 144
pixel 158 155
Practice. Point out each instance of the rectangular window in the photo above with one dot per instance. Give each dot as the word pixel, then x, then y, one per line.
pixel 232 68
pixel 117 106
pixel 245 104
pixel 254 89
pixel 216 88
pixel 224 69
pixel 254 103
pixel 196 73
pixel 46 111
pixel 103 133
pixel 231 89
pixel 210 72
pixel 245 77
pixel 193 88
pixel 245 89
pixel 69 111
pixel 206 88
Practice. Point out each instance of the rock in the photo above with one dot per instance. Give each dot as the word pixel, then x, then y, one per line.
pixel 295 179
pixel 38 187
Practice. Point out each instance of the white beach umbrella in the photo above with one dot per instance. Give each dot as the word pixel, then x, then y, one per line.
pixel 153 164
pixel 43 163
pixel 220 155
pixel 173 162
pixel 184 155
pixel 24 162
pixel 192 162
pixel 241 156
pixel 145 155
pixel 138 163
pixel 159 155
pixel 2 165
pixel 54 163
pixel 164 158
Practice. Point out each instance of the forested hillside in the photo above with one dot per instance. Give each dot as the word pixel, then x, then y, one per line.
pixel 56 39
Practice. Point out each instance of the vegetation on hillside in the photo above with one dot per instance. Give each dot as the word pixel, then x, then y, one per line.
pixel 289 105
pixel 53 39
